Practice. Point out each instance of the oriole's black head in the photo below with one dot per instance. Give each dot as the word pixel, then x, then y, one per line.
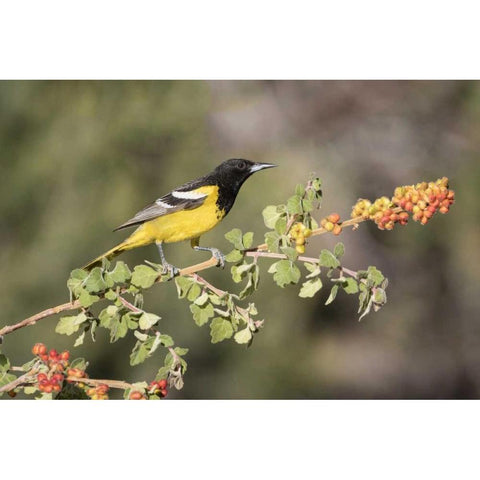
pixel 230 175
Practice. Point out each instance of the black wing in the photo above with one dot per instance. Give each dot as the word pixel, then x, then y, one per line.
pixel 182 198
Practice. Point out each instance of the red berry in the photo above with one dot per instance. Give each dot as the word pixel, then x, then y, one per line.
pixel 162 384
pixel 164 392
pixel 53 353
pixel 41 376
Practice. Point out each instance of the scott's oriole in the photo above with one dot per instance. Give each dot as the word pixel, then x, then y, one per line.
pixel 187 212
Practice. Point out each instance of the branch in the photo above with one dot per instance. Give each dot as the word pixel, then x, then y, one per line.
pixel 259 250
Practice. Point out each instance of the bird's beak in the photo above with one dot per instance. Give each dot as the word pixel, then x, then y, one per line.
pixel 260 166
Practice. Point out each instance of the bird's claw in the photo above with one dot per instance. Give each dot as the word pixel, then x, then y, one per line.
pixel 219 256
pixel 165 269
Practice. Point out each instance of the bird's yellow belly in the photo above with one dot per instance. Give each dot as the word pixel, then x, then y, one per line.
pixel 184 224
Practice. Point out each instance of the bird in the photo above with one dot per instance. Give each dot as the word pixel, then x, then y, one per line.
pixel 186 213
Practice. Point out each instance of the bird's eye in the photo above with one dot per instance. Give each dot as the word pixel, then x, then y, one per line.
pixel 241 165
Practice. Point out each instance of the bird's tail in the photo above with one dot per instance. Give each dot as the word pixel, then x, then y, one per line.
pixel 133 241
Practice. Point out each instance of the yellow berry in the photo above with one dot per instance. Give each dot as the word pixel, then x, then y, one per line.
pixel 300 249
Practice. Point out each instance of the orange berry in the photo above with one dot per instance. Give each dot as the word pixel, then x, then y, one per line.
pixel 136 396
pixel 65 355
pixel 337 230
pixel 333 217
pixel 39 349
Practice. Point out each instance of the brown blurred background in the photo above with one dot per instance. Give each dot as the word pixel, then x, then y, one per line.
pixel 79 158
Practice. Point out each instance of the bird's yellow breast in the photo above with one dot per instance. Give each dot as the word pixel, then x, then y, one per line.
pixel 184 224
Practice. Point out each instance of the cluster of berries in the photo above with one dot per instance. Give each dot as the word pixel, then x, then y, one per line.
pixel 49 384
pixel 424 199
pixel 99 392
pixel 331 223
pixel 157 387
pixel 298 233
pixel 51 381
pixel 381 212
pixel 54 360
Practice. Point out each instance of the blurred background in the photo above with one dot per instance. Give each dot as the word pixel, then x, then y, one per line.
pixel 79 158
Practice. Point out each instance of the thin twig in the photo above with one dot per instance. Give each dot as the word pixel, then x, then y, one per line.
pixel 24 379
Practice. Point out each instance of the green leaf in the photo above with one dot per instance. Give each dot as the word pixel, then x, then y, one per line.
pixel 290 252
pixel 316 185
pixel 350 285
pixel 166 340
pixel 375 275
pixel 272 239
pixel 79 340
pixel 220 329
pixel 6 378
pixel 328 259
pixel 281 225
pixel 140 352
pixel 247 240
pixel 148 320
pixel 86 299
pixel 120 274
pixel 75 282
pixel 69 325
pixel 181 351
pixel 234 256
pixel 95 282
pixel 339 250
pixel 300 190
pixel 144 276
pixel 243 336
pixel 110 295
pixel 141 336
pixel 26 367
pixel 30 390
pixel 270 216
pixel 239 271
pixel 194 292
pixel 307 205
pixel 4 363
pixel 285 272
pixel 379 296
pixel 310 288
pixel 294 205
pixel 201 315
pixel 118 328
pixel 333 294
pixel 235 236
pixel 183 285
pixel 202 299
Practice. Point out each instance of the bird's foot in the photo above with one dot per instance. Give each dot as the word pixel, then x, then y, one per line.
pixel 165 269
pixel 216 254
pixel 219 256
